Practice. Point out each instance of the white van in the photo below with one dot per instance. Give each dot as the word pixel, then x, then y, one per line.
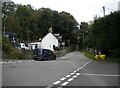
pixel 23 46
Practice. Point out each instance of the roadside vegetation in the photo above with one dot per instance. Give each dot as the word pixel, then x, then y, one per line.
pixel 9 52
pixel 91 55
pixel 32 24
pixel 88 54
pixel 103 35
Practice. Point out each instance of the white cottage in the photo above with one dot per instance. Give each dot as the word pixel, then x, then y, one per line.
pixel 34 45
pixel 50 41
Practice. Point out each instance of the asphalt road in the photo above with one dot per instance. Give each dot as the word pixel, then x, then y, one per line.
pixel 73 69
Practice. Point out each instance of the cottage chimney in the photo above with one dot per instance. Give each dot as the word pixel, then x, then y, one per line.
pixel 50 30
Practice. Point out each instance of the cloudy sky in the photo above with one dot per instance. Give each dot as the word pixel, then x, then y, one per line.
pixel 82 10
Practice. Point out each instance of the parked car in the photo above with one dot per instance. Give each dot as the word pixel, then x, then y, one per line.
pixel 43 54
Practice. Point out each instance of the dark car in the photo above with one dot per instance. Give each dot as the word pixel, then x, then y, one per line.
pixel 43 54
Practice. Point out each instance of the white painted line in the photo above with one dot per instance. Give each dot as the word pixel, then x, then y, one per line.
pixel 72 73
pixel 75 71
pixel 19 61
pixel 4 62
pixel 50 86
pixel 9 62
pixel 85 64
pixel 62 78
pixel 1 62
pixel 77 74
pixel 99 74
pixel 64 84
pixel 59 87
pixel 68 75
pixel 70 79
pixel 56 82
pixel 88 62
pixel 74 76
pixel 13 62
pixel 80 67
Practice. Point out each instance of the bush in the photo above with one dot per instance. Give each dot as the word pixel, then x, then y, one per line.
pixel 6 45
pixel 9 51
pixel 16 54
pixel 90 55
pixel 116 53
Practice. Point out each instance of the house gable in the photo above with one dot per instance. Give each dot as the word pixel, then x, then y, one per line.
pixel 49 41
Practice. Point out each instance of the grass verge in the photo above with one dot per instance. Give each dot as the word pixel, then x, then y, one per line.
pixel 91 56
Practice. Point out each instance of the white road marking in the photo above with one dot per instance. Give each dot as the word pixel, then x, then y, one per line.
pixel 62 78
pixel 74 76
pixel 29 60
pixel 98 74
pixel 59 87
pixel 64 84
pixel 7 62
pixel 10 61
pixel 70 79
pixel 75 71
pixel 68 75
pixel 19 61
pixel 50 86
pixel 85 64
pixel 80 68
pixel 4 62
pixel 72 73
pixel 1 62
pixel 13 62
pixel 77 74
pixel 56 82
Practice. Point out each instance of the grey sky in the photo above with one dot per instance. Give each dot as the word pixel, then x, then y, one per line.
pixel 82 10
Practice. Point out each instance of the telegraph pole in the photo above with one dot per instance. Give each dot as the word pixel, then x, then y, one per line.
pixel 104 11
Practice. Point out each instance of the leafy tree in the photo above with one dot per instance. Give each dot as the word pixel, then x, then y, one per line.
pixel 106 34
pixel 31 24
pixel 84 29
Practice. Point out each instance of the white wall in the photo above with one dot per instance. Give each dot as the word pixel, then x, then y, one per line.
pixel 48 41
pixel 32 45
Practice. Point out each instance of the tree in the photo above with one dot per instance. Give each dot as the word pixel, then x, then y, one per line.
pixel 106 34
pixel 84 28
pixel 31 24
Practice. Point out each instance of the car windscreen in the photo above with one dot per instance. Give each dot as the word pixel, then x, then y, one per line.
pixel 38 51
pixel 45 51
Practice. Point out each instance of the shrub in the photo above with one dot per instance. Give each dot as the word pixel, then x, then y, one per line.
pixel 6 45
pixel 116 53
pixel 90 55
pixel 16 54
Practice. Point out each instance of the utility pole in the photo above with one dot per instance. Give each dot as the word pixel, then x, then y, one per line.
pixel 104 11
pixel 7 6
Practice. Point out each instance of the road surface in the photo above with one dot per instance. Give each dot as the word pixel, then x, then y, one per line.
pixel 73 69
